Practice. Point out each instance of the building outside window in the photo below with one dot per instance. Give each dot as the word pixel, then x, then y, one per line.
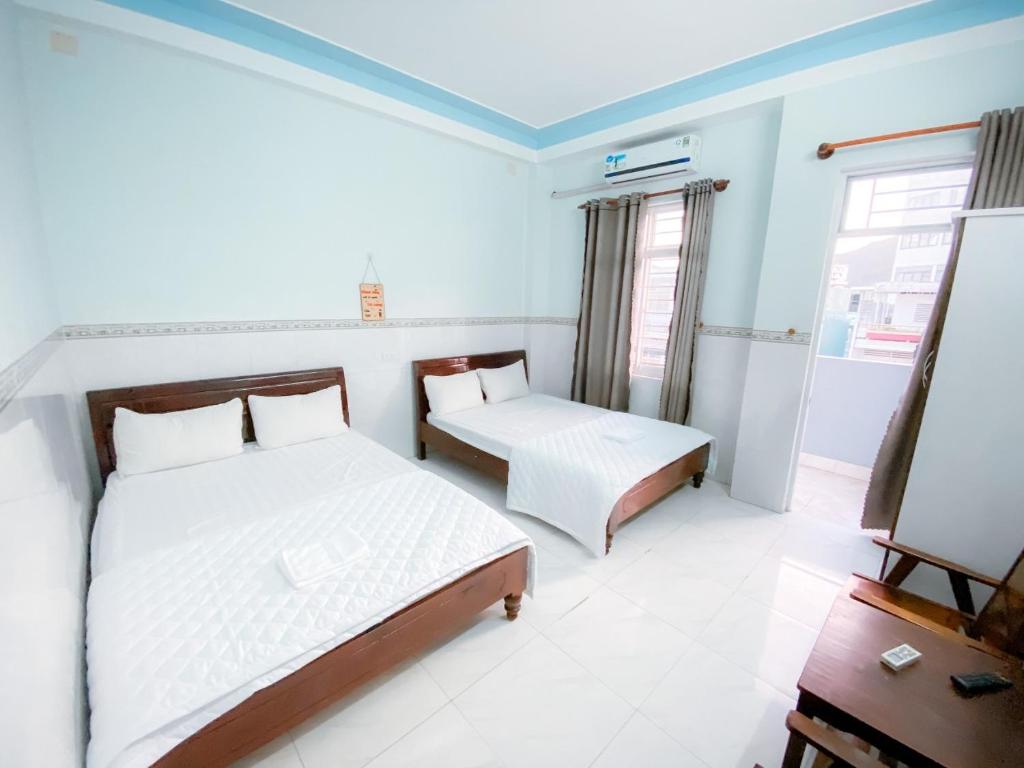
pixel 891 250
pixel 660 236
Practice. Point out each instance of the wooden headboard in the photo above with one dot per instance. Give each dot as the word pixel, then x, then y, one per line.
pixel 160 398
pixel 445 366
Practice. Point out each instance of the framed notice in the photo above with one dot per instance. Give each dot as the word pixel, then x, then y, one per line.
pixel 371 300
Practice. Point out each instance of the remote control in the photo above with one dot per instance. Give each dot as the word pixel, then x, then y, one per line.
pixel 982 682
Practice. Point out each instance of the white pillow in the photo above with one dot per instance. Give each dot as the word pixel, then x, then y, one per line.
pixel 506 383
pixel 147 442
pixel 289 419
pixel 457 392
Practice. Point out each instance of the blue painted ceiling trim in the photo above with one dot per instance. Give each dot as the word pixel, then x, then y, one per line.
pixel 917 22
pixel 219 18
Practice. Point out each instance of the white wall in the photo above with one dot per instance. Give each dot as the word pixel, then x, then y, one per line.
pixel 178 188
pixel 804 195
pixel 44 492
pixel 849 407
pixel 27 309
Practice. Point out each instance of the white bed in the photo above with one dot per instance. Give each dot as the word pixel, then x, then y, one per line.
pixel 567 462
pixel 500 428
pixel 189 613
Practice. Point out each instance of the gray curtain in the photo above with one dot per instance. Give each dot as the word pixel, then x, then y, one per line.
pixel 601 368
pixel 997 182
pixel 677 384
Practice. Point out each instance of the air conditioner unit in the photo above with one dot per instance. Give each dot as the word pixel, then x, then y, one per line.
pixel 661 158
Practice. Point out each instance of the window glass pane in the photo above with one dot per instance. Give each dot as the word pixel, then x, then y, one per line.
pixel 879 296
pixel 913 198
pixel 657 264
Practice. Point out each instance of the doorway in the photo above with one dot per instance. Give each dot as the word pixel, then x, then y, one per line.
pixel 888 255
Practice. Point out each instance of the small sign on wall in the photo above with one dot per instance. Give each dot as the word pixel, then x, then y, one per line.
pixel 371 300
pixel 371 295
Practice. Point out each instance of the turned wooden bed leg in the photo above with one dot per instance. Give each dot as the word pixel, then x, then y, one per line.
pixel 698 479
pixel 421 451
pixel 512 605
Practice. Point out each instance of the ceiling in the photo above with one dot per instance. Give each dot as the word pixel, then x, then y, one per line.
pixel 543 61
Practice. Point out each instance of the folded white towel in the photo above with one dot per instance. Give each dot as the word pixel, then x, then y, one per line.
pixel 303 566
pixel 625 435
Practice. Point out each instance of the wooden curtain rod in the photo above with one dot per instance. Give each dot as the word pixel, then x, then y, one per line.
pixel 826 150
pixel 719 185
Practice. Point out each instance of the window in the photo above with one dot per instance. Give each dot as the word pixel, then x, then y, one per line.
pixel 657 263
pixel 890 252
pixel 913 274
pixel 925 239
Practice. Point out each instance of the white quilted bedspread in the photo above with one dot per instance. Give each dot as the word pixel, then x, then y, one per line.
pixel 572 478
pixel 184 633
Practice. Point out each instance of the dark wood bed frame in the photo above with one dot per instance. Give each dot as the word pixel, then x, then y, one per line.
pixel 637 499
pixel 277 708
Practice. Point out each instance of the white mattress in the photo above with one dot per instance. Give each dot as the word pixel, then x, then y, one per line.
pixel 564 468
pixel 142 513
pixel 182 629
pixel 499 428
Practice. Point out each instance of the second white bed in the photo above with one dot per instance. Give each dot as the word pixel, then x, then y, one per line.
pixel 570 463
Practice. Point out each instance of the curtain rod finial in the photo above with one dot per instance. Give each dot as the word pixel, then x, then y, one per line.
pixel 825 151
pixel 720 184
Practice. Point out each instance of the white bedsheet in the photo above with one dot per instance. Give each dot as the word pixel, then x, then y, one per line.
pixel 499 428
pixel 568 462
pixel 143 513
pixel 572 478
pixel 182 632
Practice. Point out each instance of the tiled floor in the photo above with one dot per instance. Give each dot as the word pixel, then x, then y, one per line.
pixel 681 648
pixel 829 490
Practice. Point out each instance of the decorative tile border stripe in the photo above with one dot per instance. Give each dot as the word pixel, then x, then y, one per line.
pixel 140 330
pixel 779 337
pixel 17 374
pixel 725 330
pixel 782 337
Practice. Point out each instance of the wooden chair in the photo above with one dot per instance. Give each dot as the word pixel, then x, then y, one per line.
pixel 833 749
pixel 998 628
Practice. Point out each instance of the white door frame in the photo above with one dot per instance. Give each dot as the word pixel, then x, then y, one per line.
pixel 834 225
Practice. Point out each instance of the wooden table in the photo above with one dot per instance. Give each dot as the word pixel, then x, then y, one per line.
pixel 913 715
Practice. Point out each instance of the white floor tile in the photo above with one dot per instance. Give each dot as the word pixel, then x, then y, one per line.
pixel 731 520
pixel 649 527
pixel 357 729
pixel 470 655
pixel 280 753
pixel 540 708
pixel 793 590
pixel 641 744
pixel 762 641
pixel 560 588
pixel 446 740
pixel 686 602
pixel 623 553
pixel 621 644
pixel 810 549
pixel 719 712
pixel 699 552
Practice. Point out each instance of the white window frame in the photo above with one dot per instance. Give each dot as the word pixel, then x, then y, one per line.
pixel 901 231
pixel 646 253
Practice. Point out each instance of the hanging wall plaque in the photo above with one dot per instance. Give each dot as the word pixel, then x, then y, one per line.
pixel 371 295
